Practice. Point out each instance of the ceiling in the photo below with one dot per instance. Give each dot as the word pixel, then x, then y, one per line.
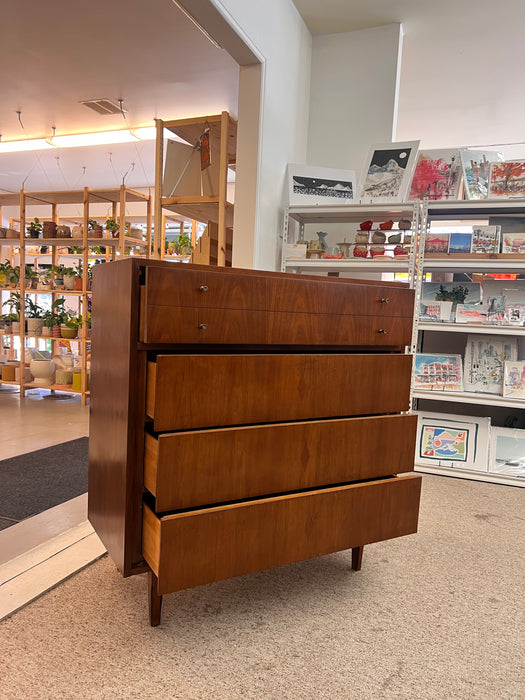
pixel 461 65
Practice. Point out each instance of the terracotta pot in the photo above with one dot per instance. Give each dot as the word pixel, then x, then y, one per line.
pixel 49 229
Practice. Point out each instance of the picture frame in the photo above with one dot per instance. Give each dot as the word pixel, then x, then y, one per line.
pixel 507 452
pixel 507 179
pixel 437 243
pixel 438 175
pixel 486 239
pixel 452 441
pixel 438 372
pixel 513 243
pixel 459 243
pixel 476 171
pixel 388 172
pixel 485 358
pixel 315 186
pixel 514 379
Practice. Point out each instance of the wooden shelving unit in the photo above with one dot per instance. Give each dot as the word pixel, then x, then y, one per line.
pixel 213 210
pixel 115 247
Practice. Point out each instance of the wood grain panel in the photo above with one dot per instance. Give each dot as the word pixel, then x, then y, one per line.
pixel 197 391
pixel 246 327
pixel 184 470
pixel 212 544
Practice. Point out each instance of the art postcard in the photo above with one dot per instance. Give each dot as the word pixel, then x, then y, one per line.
pixel 471 313
pixel 437 176
pixel 436 243
pixel 388 171
pixel 513 243
pixel 514 379
pixel 486 239
pixel 459 243
pixel 507 452
pixel 507 179
pixel 438 372
pixel 452 441
pixel 476 171
pixel 435 311
pixel 309 185
pixel 456 292
pixel 485 358
pixel 514 314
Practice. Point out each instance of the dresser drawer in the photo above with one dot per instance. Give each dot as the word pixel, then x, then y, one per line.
pixel 194 468
pixel 239 307
pixel 200 546
pixel 199 391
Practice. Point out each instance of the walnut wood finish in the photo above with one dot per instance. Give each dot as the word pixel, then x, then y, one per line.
pixel 195 468
pixel 357 558
pixel 207 545
pixel 154 600
pixel 191 391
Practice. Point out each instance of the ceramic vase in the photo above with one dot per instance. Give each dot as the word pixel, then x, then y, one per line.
pixel 43 372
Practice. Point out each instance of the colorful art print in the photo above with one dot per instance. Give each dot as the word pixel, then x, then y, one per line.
pixel 485 359
pixel 435 311
pixel 496 306
pixel 388 171
pixel 486 239
pixel 515 315
pixel 471 313
pixel 437 243
pixel 507 179
pixel 514 379
pixel 507 452
pixel 476 171
pixel 438 372
pixel 317 186
pixel 452 441
pixel 459 243
pixel 456 292
pixel 205 150
pixel 437 176
pixel 513 243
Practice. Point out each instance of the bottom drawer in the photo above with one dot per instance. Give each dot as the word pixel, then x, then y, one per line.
pixel 200 546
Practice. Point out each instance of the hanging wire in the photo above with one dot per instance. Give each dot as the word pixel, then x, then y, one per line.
pixel 122 109
pixel 113 168
pixel 130 169
pixel 57 158
pixel 38 161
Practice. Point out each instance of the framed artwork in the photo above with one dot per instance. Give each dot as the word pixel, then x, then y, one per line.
pixel 438 175
pixel 485 358
pixel 435 311
pixel 320 186
pixel 513 243
pixel 476 171
pixel 434 372
pixel 486 239
pixel 436 243
pixel 453 441
pixel 507 452
pixel 514 379
pixel 507 179
pixel 388 171
pixel 459 243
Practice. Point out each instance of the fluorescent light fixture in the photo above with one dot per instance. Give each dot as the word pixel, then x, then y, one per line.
pixel 199 26
pixel 98 138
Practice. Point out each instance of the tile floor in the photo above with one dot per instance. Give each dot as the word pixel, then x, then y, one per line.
pixel 39 552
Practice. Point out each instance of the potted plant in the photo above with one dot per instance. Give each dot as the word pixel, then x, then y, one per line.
pixel 14 312
pixel 34 317
pixel 14 276
pixel 5 273
pixel 54 318
pixel 183 244
pixel 94 229
pixel 34 230
pixel 69 328
pixel 69 276
pixel 113 227
pixel 31 276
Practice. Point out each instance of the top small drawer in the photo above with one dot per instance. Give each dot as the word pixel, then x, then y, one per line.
pixel 181 305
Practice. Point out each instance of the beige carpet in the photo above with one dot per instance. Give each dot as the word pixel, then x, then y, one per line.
pixel 434 615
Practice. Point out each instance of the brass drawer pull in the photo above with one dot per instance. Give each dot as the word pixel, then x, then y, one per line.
pixel 382 331
pixel 384 300
pixel 203 288
pixel 203 326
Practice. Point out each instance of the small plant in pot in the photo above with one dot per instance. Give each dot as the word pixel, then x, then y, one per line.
pixel 69 276
pixel 31 276
pixel 55 318
pixel 34 317
pixel 183 244
pixel 113 227
pixel 13 317
pixel 34 230
pixel 5 274
pixel 94 229
pixel 69 329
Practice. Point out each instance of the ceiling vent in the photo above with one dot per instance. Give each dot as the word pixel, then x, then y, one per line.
pixel 103 106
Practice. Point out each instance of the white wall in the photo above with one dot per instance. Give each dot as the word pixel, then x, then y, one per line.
pixel 353 95
pixel 278 35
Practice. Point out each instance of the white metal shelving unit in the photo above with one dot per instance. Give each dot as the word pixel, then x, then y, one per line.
pixel 441 212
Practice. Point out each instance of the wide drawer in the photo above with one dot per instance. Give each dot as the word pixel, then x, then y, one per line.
pixel 188 469
pixel 200 546
pixel 243 307
pixel 199 391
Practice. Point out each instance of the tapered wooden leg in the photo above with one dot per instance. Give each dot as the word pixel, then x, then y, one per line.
pixel 155 600
pixel 357 558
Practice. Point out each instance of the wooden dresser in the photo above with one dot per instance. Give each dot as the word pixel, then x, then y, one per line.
pixel 242 420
